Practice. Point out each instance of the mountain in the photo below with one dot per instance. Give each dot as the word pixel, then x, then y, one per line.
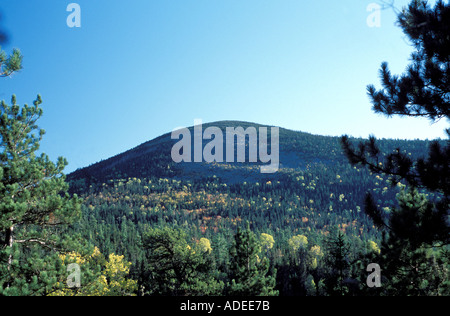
pixel 297 150
pixel 314 193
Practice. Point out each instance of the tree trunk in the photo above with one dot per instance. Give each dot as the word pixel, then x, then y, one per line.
pixel 10 241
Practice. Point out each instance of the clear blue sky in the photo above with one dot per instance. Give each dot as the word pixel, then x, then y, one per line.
pixel 138 69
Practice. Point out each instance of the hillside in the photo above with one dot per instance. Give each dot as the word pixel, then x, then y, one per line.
pixel 314 193
pixel 297 150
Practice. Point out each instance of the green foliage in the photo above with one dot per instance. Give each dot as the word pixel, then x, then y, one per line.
pixel 177 229
pixel 414 263
pixel 249 272
pixel 414 250
pixel 337 264
pixel 10 63
pixel 176 268
pixel 422 90
pixel 34 204
pixel 118 213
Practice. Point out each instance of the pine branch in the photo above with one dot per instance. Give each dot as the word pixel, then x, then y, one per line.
pixel 45 243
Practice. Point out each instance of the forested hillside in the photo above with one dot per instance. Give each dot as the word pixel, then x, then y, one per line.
pixel 296 215
pixel 176 216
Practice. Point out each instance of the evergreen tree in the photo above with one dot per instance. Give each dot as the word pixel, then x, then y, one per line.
pixel 411 266
pixel 249 272
pixel 423 91
pixel 417 223
pixel 176 268
pixel 34 204
pixel 337 264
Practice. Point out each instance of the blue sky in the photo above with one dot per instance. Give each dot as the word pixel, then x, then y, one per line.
pixel 137 69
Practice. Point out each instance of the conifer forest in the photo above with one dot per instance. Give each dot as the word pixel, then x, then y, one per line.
pixel 342 216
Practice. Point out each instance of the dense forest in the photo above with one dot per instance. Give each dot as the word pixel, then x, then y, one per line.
pixel 298 219
pixel 341 217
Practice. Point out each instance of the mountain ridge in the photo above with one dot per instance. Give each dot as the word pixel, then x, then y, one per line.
pixel 297 149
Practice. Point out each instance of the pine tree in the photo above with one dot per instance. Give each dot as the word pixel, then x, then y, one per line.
pixel 423 91
pixel 417 223
pixel 34 204
pixel 337 263
pixel 176 268
pixel 249 272
pixel 410 266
